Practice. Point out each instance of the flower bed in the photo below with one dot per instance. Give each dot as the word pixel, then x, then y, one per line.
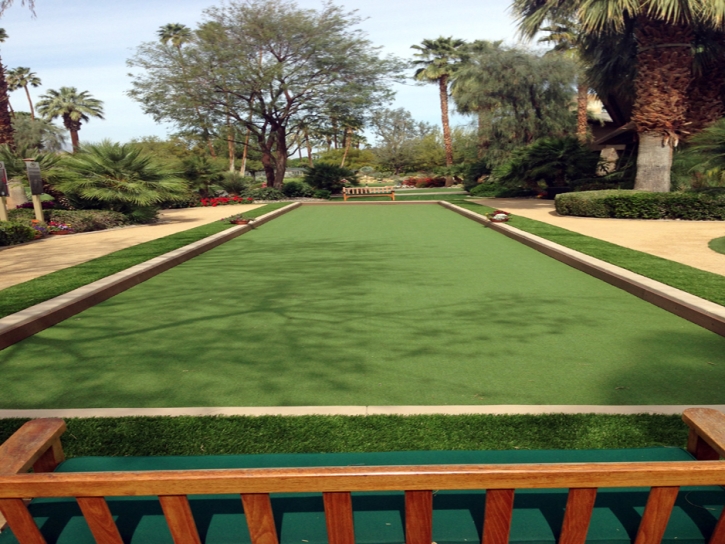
pixel 225 201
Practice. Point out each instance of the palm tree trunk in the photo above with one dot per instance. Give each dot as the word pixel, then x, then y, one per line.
pixel 582 96
pixel 664 74
pixel 346 142
pixel 243 168
pixel 230 143
pixel 6 124
pixel 30 102
pixel 75 142
pixel 447 140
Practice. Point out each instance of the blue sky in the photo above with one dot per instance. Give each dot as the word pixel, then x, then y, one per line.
pixel 85 44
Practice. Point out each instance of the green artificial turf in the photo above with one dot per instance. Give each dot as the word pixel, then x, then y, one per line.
pixel 403 197
pixel 692 280
pixel 367 305
pixel 144 436
pixel 718 244
pixel 26 294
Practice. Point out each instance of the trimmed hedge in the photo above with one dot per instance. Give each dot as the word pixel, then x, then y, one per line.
pixel 12 232
pixel 79 220
pixel 643 205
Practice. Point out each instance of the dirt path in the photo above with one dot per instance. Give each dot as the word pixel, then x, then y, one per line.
pixel 681 241
pixel 28 261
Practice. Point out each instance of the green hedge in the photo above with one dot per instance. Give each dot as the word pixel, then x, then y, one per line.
pixel 12 233
pixel 79 220
pixel 643 205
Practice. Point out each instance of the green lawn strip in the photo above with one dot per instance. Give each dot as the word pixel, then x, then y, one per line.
pixel 692 280
pixel 718 244
pixel 367 305
pixel 399 197
pixel 150 436
pixel 26 294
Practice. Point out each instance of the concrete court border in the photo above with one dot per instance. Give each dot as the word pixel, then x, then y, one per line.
pixel 702 312
pixel 364 411
pixel 30 321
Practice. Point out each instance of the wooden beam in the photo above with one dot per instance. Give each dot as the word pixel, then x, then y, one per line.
pixel 29 443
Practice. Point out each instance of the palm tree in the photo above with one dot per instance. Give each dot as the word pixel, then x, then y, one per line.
pixel 177 35
pixel 438 60
pixel 6 122
pixel 664 32
pixel 21 77
pixel 73 107
pixel 565 34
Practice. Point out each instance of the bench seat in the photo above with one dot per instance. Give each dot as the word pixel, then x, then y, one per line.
pixel 379 516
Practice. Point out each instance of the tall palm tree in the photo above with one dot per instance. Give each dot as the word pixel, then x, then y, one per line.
pixel 21 77
pixel 438 59
pixel 664 32
pixel 73 107
pixel 177 35
pixel 6 122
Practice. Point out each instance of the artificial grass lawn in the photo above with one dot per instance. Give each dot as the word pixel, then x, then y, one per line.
pixel 26 294
pixel 687 278
pixel 367 305
pixel 718 244
pixel 144 436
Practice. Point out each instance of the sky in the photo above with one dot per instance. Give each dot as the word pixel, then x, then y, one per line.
pixel 85 44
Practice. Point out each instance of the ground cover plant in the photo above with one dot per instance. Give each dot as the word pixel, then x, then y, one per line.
pixel 485 321
pixel 691 280
pixel 26 294
pixel 147 436
pixel 718 244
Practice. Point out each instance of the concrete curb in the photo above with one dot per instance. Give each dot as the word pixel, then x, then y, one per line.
pixel 20 325
pixel 257 411
pixel 693 308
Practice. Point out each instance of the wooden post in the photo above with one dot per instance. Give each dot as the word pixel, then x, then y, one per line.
pixel 38 207
pixel 3 209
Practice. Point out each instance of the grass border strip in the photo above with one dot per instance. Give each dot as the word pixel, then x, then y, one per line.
pixel 702 312
pixel 25 323
pixel 299 411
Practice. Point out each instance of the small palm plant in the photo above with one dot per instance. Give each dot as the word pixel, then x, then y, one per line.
pixel 120 177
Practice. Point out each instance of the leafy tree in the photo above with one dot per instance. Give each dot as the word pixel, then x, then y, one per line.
pixel 271 66
pixel 5 4
pixel 555 162
pixel 120 177
pixel 517 96
pixel 666 34
pixel 20 78
pixel 37 134
pixel 399 138
pixel 6 125
pixel 701 162
pixel 356 158
pixel 438 60
pixel 71 106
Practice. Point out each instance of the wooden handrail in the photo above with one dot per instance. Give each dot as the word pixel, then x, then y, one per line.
pixel 707 433
pixel 36 444
pixel 340 479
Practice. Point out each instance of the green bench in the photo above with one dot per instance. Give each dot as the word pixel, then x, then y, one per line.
pixel 605 496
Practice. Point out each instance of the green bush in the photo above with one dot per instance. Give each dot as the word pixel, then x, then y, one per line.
pixel 495 190
pixel 551 162
pixel 697 206
pixel 234 183
pixel 295 189
pixel 12 233
pixel 265 193
pixel 322 193
pixel 329 177
pixel 89 220
pixel 474 173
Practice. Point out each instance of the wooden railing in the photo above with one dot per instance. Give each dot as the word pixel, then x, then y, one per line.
pixel 336 483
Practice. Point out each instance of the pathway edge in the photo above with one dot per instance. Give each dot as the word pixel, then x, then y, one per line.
pixel 25 323
pixel 702 312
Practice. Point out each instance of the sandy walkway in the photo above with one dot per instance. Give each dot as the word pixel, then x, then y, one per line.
pixel 681 241
pixel 28 261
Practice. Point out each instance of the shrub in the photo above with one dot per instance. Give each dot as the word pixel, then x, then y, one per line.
pixel 496 190
pixel 295 189
pixel 475 173
pixel 266 193
pixel 234 183
pixel 553 162
pixel 225 200
pixel 322 193
pixel 23 215
pixel 89 220
pixel 697 206
pixel 422 183
pixel 329 177
pixel 45 204
pixel 12 233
